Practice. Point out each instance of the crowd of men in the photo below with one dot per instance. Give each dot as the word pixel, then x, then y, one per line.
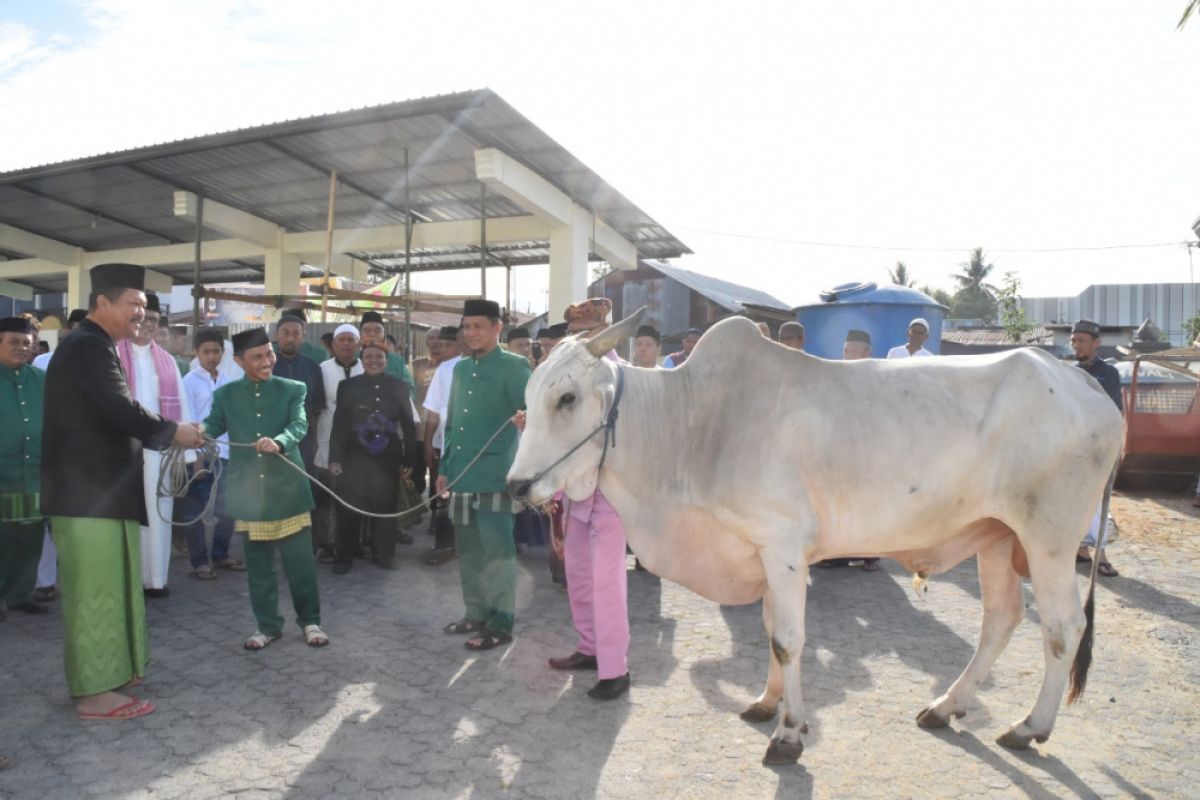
pixel 253 418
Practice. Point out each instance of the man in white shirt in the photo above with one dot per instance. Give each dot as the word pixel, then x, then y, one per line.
pixel 437 400
pixel 200 384
pixel 918 332
pixel 154 381
pixel 344 364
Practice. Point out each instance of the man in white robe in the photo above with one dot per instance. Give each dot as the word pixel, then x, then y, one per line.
pixel 155 382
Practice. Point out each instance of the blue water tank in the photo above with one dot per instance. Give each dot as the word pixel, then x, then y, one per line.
pixel 882 311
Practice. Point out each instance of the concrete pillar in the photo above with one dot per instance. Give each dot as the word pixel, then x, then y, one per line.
pixel 568 267
pixel 281 276
pixel 79 286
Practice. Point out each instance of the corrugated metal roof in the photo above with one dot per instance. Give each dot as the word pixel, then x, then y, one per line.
pixel 1040 335
pixel 728 295
pixel 280 172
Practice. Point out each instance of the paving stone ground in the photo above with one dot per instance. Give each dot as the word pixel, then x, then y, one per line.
pixel 394 708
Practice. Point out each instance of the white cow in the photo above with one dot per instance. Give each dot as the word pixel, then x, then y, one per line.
pixel 737 471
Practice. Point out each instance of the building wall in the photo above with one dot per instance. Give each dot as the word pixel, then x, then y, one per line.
pixel 1168 304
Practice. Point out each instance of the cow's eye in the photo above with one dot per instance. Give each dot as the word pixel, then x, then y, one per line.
pixel 566 400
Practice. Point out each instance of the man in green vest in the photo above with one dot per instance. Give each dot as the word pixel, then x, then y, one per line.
pixel 488 389
pixel 21 522
pixel 372 329
pixel 269 500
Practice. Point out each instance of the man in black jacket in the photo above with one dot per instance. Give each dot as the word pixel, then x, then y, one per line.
pixel 1085 344
pixel 93 432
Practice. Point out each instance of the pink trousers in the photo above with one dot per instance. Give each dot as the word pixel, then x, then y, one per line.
pixel 596 585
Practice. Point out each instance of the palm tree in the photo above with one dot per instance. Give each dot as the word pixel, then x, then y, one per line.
pixel 975 298
pixel 1192 7
pixel 900 275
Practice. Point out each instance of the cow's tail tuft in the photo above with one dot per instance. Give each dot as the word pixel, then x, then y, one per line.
pixel 1083 655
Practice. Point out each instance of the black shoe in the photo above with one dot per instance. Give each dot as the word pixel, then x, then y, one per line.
pixel 610 688
pixel 45 594
pixel 573 661
pixel 342 567
pixel 404 538
pixel 385 563
pixel 157 594
pixel 29 608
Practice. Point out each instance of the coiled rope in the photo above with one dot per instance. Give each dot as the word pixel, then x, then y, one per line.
pixel 176 476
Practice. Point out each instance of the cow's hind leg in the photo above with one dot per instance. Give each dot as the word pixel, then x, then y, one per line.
pixel 1000 588
pixel 767 704
pixel 1053 577
pixel 787 581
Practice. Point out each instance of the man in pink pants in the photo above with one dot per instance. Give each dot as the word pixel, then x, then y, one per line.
pixel 595 563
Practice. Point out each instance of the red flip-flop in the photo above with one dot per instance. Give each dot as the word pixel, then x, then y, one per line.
pixel 132 710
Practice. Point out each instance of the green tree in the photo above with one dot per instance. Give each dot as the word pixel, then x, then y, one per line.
pixel 975 298
pixel 940 295
pixel 900 275
pixel 1192 328
pixel 600 269
pixel 1012 314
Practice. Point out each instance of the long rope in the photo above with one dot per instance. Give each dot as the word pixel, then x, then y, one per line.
pixel 176 476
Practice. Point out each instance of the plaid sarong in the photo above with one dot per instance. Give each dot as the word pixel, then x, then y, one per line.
pixel 20 507
pixel 273 530
pixel 462 504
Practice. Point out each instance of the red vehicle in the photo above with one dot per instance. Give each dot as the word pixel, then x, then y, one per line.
pixel 1162 418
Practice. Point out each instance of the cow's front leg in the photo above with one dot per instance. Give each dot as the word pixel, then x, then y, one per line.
pixel 787 581
pixel 767 704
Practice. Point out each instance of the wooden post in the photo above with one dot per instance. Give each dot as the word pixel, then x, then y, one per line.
pixel 329 244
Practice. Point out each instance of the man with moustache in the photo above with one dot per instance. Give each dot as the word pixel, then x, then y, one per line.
pixel 92 437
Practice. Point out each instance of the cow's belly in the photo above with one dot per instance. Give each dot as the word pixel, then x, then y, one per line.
pixel 947 554
pixel 694 550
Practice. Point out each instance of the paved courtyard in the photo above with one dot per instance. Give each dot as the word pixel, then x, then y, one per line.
pixel 394 708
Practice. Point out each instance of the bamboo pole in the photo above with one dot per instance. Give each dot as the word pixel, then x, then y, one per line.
pixel 329 243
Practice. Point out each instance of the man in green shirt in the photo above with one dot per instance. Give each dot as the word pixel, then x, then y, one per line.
pixel 487 390
pixel 21 522
pixel 270 501
pixel 372 329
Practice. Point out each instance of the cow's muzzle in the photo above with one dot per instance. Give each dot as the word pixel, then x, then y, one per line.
pixel 520 488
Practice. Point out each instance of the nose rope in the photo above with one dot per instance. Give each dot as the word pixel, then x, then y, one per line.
pixel 609 426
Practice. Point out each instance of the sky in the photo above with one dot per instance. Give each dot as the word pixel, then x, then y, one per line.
pixel 758 133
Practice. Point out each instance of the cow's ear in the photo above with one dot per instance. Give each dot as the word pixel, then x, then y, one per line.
pixel 609 338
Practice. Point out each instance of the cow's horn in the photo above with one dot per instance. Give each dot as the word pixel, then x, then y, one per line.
pixel 609 338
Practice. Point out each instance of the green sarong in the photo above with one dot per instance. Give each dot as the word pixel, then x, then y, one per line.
pixel 104 615
pixel 487 565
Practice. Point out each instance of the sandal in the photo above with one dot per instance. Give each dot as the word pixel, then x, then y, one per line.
pixel 487 639
pixel 870 565
pixel 131 710
pixel 314 636
pixel 463 626
pixel 1107 570
pixel 258 641
pixel 231 564
pixel 326 556
pixel 203 573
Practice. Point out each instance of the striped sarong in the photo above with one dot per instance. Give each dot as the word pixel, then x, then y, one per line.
pixel 463 503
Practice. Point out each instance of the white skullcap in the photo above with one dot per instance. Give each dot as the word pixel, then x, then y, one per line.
pixel 920 321
pixel 345 327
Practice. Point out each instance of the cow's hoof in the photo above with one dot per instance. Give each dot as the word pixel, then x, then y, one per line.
pixel 1013 740
pixel 782 753
pixel 757 712
pixel 931 719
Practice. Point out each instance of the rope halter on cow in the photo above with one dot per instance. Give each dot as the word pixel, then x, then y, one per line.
pixel 609 426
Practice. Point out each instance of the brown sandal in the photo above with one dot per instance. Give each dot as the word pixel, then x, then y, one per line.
pixel 1107 570
pixel 203 573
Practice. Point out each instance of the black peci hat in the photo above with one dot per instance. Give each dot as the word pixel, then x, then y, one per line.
pixel 16 325
pixel 370 316
pixel 481 308
pixel 519 332
pixel 245 340
pixel 77 316
pixel 152 304
pixel 556 331
pixel 1086 326
pixel 855 335
pixel 448 333
pixel 118 276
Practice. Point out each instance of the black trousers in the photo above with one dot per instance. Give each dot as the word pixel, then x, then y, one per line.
pixel 322 522
pixel 439 521
pixel 351 527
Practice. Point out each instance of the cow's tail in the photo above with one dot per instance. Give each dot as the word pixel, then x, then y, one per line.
pixel 1083 656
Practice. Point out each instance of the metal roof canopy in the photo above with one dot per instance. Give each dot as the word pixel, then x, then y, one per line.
pixel 278 174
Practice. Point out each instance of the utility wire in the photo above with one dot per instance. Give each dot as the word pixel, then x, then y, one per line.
pixel 847 246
